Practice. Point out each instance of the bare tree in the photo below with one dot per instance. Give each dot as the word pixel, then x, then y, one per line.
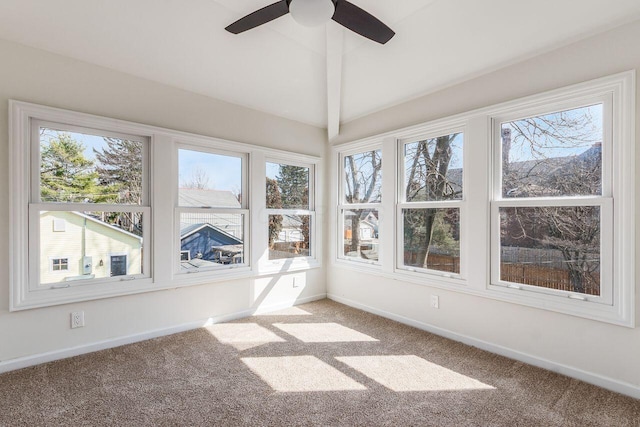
pixel 362 185
pixel 572 231
pixel 198 180
pixel 427 179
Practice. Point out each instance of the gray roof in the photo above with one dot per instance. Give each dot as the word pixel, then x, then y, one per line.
pixel 189 229
pixel 193 197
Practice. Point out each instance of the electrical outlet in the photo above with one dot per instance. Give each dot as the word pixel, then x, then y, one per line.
pixel 77 319
pixel 435 301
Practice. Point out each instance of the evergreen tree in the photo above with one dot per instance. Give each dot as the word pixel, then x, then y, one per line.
pixel 66 175
pixel 274 201
pixel 119 168
pixel 293 183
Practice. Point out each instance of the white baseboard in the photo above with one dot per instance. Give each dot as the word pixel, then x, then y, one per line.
pixel 588 377
pixel 25 362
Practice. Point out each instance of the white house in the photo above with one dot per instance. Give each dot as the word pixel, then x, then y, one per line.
pixel 75 246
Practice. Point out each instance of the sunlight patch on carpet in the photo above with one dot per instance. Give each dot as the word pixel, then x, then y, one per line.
pixel 323 332
pixel 243 336
pixel 291 311
pixel 300 374
pixel 411 373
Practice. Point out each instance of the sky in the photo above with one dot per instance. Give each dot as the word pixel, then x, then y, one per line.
pixel 224 172
pixel 592 132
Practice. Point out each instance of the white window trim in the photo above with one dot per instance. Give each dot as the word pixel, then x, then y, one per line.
pixel 160 247
pixel 215 270
pixel 460 204
pixel 359 148
pixel 265 265
pixel 478 186
pixel 58 257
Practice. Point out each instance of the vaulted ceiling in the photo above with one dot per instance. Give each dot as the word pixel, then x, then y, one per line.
pixel 322 76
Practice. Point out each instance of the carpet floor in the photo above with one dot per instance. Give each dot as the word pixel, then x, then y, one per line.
pixel 320 363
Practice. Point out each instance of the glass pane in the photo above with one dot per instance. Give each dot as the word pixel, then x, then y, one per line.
pixel 558 154
pixel 287 186
pixel 363 177
pixel 289 236
pixel 83 168
pixel 432 239
pixel 211 239
pixel 361 234
pixel 90 245
pixel 551 247
pixel 433 169
pixel 209 180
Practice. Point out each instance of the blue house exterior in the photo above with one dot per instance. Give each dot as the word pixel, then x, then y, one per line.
pixel 207 242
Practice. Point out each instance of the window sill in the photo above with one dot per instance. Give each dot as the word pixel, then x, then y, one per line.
pixel 286 265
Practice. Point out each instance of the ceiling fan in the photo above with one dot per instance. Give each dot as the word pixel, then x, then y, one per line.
pixel 317 12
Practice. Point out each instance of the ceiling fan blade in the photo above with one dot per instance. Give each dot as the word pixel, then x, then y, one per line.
pixel 357 20
pixel 259 17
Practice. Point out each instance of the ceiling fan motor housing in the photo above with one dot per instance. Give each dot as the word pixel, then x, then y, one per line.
pixel 312 13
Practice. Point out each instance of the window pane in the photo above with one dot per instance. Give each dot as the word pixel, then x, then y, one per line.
pixel 558 154
pixel 432 239
pixel 361 233
pixel 363 177
pixel 433 169
pixel 289 236
pixel 211 239
pixel 93 245
pixel 287 186
pixel 551 247
pixel 209 180
pixel 84 168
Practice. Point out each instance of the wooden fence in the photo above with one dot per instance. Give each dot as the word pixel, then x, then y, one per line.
pixel 529 274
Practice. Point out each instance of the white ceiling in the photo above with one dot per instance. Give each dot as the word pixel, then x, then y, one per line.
pixel 281 67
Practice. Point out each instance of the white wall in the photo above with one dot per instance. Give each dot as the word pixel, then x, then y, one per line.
pixel 599 352
pixel 34 76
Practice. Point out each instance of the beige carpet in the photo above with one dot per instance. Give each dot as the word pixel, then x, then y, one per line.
pixel 317 364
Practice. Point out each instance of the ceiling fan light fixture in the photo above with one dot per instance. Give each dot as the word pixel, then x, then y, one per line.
pixel 311 13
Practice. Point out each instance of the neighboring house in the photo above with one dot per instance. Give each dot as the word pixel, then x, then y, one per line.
pixel 76 246
pixel 202 244
pixel 208 238
pixel 227 222
pixel 291 230
pixel 368 226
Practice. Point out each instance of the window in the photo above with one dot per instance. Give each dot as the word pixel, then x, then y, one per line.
pixel 530 202
pixel 102 207
pixel 359 206
pixel 212 214
pixel 430 203
pixel 289 210
pixel 59 264
pixel 88 195
pixel 554 202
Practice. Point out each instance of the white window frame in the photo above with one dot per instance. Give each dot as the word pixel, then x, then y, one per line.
pixel 360 148
pixel 218 269
pixel 460 204
pixel 294 263
pixel 159 210
pixel 52 260
pixel 481 190
pixel 615 304
pixel 26 292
